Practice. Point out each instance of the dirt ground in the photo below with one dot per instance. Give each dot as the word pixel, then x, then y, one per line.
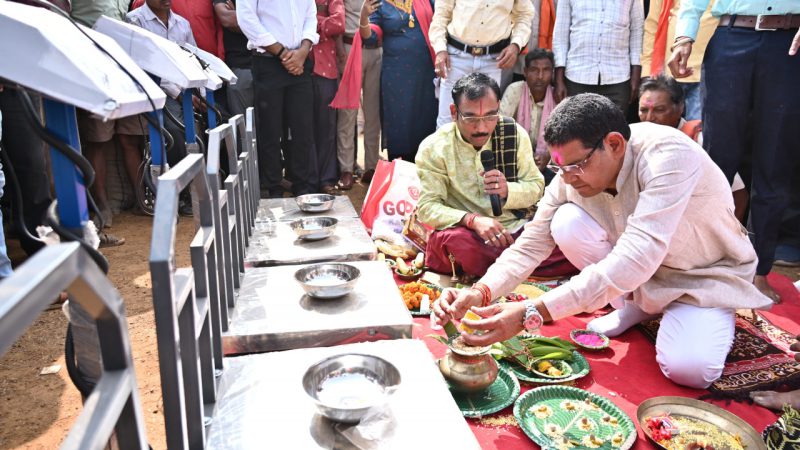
pixel 37 411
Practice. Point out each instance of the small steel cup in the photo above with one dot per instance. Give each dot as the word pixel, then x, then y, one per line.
pixel 314 228
pixel 315 203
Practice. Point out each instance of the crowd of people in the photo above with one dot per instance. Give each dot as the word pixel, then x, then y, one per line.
pixel 548 90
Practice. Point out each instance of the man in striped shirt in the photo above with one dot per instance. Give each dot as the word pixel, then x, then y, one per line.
pixel 597 45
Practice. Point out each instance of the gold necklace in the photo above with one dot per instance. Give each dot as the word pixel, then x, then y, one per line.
pixel 405 6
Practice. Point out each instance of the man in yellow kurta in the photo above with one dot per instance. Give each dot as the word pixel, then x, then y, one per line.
pixel 455 188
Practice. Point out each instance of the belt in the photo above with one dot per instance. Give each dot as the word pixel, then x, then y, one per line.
pixel 762 22
pixel 476 50
pixel 349 41
pixel 255 52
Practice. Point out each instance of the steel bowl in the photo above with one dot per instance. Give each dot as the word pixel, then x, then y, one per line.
pixel 327 280
pixel 344 387
pixel 315 203
pixel 314 228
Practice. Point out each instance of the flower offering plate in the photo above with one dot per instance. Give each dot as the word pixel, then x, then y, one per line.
pixel 558 417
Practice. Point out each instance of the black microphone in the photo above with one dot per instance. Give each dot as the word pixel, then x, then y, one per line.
pixel 487 159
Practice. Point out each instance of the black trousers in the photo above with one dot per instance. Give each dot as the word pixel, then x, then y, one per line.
pixel 25 150
pixel 282 100
pixel 619 93
pixel 326 170
pixel 749 87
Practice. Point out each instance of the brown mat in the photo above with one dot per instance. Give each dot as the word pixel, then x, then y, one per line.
pixel 759 359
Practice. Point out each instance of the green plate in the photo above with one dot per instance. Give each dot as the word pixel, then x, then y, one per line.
pixel 415 312
pixel 579 365
pixel 500 394
pixel 570 421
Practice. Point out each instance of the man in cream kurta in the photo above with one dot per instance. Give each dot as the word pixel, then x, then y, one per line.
pixel 476 36
pixel 648 218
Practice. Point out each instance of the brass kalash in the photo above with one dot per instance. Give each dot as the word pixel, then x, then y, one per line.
pixel 468 369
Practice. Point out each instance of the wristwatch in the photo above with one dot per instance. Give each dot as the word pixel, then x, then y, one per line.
pixel 532 320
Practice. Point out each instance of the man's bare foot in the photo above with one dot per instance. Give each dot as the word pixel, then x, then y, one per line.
pixel 762 285
pixel 776 400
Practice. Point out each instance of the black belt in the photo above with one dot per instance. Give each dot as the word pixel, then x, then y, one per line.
pixel 264 54
pixel 762 22
pixel 476 50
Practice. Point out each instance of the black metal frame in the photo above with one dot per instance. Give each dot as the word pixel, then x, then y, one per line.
pixel 113 405
pixel 185 318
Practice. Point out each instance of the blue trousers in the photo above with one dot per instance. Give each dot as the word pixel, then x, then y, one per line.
pixel 750 89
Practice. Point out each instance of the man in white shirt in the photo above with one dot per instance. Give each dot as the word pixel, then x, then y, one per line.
pixel 156 17
pixel 598 46
pixel 648 218
pixel 281 34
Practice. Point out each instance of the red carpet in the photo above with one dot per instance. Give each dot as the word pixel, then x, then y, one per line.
pixel 626 373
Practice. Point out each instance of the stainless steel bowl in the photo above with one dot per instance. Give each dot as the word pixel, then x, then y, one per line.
pixel 315 202
pixel 327 280
pixel 314 228
pixel 344 387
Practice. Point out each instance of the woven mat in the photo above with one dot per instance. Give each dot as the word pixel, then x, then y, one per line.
pixel 759 359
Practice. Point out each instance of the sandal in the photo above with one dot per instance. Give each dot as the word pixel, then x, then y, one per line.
pixel 109 240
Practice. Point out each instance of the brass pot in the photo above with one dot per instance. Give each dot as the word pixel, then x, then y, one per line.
pixel 472 373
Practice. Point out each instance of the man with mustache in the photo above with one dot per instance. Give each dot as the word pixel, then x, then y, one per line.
pixel 531 101
pixel 455 189
pixel 648 218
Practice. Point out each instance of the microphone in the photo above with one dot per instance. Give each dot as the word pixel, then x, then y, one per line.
pixel 487 159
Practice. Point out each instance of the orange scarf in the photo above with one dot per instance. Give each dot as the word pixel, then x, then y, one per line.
pixel 660 40
pixel 547 21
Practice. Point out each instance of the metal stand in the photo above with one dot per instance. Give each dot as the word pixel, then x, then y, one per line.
pixel 70 189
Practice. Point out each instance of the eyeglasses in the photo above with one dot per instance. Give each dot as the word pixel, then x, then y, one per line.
pixel 474 120
pixel 578 166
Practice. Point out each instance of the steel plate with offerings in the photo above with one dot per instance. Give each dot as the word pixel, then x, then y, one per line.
pixel 686 423
pixel 562 417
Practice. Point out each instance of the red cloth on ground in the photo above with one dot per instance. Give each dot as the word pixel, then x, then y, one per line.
pixel 627 368
pixel 474 257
